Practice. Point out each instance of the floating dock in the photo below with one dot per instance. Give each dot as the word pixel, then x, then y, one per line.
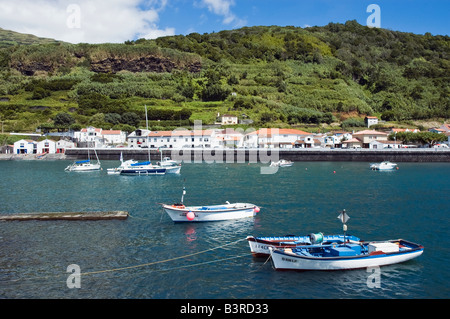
pixel 66 216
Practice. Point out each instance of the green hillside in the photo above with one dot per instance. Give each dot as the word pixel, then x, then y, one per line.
pixel 319 78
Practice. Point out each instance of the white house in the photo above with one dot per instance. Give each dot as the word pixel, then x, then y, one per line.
pixel 46 146
pixel 97 137
pixel 62 145
pixel 385 144
pixel 171 139
pixel 371 120
pixel 90 135
pixel 138 138
pixel 274 138
pixel 228 138
pixel 229 119
pixel 113 137
pixel 25 147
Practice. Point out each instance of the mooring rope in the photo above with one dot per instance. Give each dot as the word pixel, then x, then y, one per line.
pixel 143 265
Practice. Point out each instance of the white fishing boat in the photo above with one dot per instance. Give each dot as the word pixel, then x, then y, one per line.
pixel 259 246
pixel 181 213
pixel 385 165
pixel 84 165
pixel 344 256
pixel 282 163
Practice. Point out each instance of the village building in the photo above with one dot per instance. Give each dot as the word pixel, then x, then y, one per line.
pixel 97 137
pixel 228 138
pixel 229 119
pixel 276 138
pixel 46 146
pixel 25 147
pixel 371 120
pixel 385 144
pixel 367 136
pixel 62 145
pixel 352 143
pixel 171 139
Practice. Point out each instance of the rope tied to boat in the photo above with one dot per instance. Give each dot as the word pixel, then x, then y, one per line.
pixel 146 264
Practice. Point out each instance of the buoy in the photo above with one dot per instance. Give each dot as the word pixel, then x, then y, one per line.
pixel 256 209
pixel 334 172
pixel 190 215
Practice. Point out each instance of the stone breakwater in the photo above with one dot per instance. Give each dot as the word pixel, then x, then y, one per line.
pixel 249 155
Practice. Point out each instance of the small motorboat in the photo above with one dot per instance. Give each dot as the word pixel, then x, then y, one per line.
pixel 282 163
pixel 171 166
pixel 344 256
pixel 259 246
pixel 181 213
pixel 385 165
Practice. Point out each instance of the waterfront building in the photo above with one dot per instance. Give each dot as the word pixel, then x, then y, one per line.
pixel 46 146
pixel 25 147
pixel 276 138
pixel 367 136
pixel 62 145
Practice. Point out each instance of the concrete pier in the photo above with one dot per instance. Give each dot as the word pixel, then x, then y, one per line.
pixel 66 216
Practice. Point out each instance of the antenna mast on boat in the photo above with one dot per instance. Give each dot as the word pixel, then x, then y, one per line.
pixel 182 196
pixel 343 217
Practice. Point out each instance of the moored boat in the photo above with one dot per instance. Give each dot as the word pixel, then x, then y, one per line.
pixel 282 163
pixel 171 166
pixel 385 165
pixel 344 256
pixel 142 169
pixel 181 213
pixel 259 246
pixel 83 166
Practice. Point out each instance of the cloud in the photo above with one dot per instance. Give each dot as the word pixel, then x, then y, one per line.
pixel 91 21
pixel 222 8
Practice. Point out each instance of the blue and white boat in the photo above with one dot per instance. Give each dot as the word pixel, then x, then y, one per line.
pixel 344 256
pixel 259 246
pixel 142 169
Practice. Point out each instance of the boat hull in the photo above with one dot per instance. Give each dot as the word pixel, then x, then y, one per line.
pixel 216 213
pixel 143 172
pixel 84 168
pixel 285 260
pixel 260 246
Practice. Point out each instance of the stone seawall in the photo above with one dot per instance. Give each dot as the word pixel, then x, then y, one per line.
pixel 267 155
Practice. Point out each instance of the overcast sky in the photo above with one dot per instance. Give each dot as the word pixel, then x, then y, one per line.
pixel 99 21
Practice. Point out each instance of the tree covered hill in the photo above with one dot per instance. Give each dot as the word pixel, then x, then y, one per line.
pixel 275 76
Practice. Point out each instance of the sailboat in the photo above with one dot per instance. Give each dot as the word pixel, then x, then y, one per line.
pixel 85 165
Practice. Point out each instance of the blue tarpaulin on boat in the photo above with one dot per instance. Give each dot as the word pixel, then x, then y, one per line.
pixel 141 163
pixel 81 162
pixel 212 208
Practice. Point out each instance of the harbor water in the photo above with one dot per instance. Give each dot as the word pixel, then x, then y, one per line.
pixel 149 256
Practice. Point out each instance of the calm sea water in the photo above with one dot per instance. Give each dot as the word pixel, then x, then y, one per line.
pixel 148 256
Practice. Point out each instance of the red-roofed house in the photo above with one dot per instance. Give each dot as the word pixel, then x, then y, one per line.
pixel 172 139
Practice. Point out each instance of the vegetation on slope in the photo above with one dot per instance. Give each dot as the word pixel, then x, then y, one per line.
pixel 273 76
